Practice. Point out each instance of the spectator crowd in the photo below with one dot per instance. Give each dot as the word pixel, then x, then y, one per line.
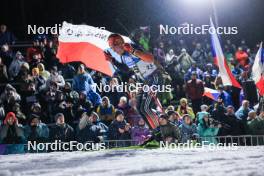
pixel 43 100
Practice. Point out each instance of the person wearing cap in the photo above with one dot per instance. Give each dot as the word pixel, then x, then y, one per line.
pixel 61 130
pixel 11 132
pixel 194 91
pixel 119 129
pixel 168 132
pixel 174 118
pixel 188 129
pixel 36 130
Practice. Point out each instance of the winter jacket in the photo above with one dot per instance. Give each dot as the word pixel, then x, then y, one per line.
pixel 188 132
pixel 106 113
pixel 88 133
pixel 226 98
pixel 14 68
pixel 185 61
pixel 12 134
pixel 206 132
pixel 139 134
pixel 114 134
pixel 188 110
pixel 40 133
pixel 64 132
pixel 169 130
pixel 83 82
pixel 55 78
pixel 242 113
pixel 256 126
pixel 94 97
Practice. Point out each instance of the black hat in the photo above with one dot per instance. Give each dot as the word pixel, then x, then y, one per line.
pixel 171 112
pixel 164 116
pixel 118 112
pixel 57 116
pixel 33 116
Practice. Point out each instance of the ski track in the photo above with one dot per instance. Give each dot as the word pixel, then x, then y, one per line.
pixel 202 162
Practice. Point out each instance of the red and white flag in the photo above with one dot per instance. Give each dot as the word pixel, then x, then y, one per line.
pixel 258 70
pixel 224 71
pixel 85 44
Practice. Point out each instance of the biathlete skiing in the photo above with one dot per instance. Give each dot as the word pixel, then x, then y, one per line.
pixel 148 70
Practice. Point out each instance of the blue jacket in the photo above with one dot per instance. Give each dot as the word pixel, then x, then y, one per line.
pixel 188 132
pixel 242 113
pixel 82 82
pixel 226 98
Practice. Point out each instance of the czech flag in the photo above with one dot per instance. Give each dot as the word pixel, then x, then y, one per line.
pixel 211 93
pixel 85 44
pixel 258 70
pixel 224 71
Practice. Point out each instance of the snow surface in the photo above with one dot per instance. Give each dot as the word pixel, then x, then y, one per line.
pixel 243 161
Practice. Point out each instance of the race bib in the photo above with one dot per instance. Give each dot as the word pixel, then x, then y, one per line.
pixel 146 68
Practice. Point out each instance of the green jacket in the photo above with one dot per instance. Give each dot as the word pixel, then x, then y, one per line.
pixel 207 133
pixel 256 126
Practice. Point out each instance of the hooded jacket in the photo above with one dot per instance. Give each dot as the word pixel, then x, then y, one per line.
pixel 11 134
pixel 206 132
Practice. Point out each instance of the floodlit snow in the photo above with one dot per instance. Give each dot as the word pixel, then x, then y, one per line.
pixel 243 161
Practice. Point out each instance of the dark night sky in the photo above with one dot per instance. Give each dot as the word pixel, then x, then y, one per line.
pixel 247 15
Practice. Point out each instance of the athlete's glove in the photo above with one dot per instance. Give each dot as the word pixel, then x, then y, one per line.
pixel 128 48
pixel 108 56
